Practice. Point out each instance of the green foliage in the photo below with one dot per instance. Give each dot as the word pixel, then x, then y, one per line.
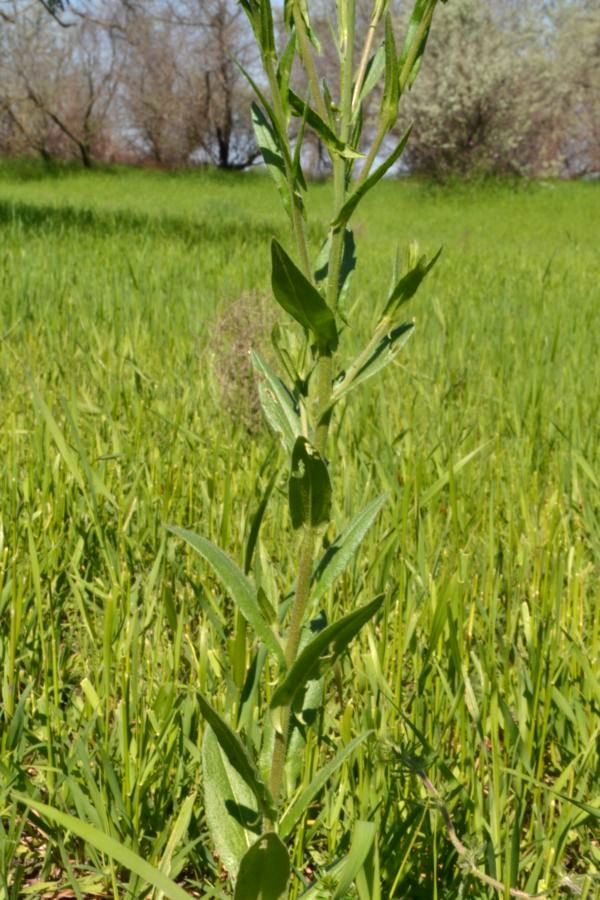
pixel 322 652
pixel 494 94
pixel 294 292
pixel 236 583
pixel 310 487
pixel 106 844
pixel 237 756
pixel 480 668
pixel 265 870
pixel 230 805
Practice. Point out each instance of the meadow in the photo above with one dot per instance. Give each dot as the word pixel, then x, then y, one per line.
pixel 127 301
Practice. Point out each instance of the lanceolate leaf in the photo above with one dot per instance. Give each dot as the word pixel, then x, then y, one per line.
pixel 391 89
pixel 313 119
pixel 374 72
pixel 310 487
pixel 266 106
pixel 303 801
pixel 269 146
pixel 107 845
pixel 261 19
pixel 344 548
pixel 238 585
pixel 255 525
pixel 265 870
pixel 238 756
pixel 284 69
pixel 267 35
pixel 324 649
pixel 384 353
pixel 229 805
pixel 415 41
pixel 249 7
pixel 277 402
pixel 347 266
pixel 409 284
pixel 294 292
pixel 354 199
pixel 302 7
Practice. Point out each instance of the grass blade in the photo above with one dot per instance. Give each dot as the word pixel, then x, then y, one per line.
pixel 108 845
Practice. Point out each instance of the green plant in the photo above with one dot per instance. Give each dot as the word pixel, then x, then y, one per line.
pixel 489 643
pixel 282 680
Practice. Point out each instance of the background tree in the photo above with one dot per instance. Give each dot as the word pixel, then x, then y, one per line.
pixel 503 91
pixel 578 26
pixel 487 99
pixel 153 96
pixel 57 87
pixel 221 37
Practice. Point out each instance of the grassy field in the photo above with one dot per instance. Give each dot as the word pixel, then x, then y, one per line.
pixel 126 303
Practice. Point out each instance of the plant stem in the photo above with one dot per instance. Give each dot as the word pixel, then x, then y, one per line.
pixel 403 79
pixel 295 211
pixel 308 63
pixel 305 566
pixel 323 378
pixel 364 59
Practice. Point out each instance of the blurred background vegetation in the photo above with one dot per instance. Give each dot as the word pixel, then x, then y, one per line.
pixel 509 88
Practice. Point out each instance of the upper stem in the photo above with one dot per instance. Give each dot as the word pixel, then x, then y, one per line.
pixel 295 211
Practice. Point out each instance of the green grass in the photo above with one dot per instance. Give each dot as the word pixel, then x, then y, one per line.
pixel 483 671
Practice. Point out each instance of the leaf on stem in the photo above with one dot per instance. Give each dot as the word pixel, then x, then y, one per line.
pixel 383 354
pixel 238 757
pixel 255 526
pixel 347 266
pixel 409 284
pixel 364 187
pixel 294 292
pixel 333 143
pixel 373 73
pixel 284 70
pixel 391 90
pixel 299 806
pixel 265 870
pixel 270 148
pixel 309 486
pixel 277 402
pixel 343 550
pixel 250 7
pixel 324 649
pixel 266 35
pixel 229 805
pixel 268 109
pixel 238 585
pixel 415 41
pixel 301 5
